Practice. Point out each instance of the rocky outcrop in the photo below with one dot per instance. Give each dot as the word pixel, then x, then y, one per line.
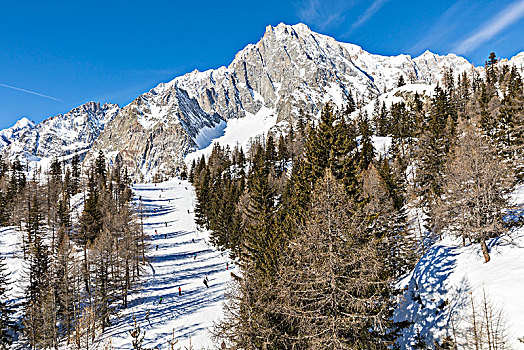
pixel 291 69
pixel 12 134
pixel 63 135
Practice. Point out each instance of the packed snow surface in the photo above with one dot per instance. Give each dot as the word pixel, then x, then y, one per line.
pixel 181 256
pixel 239 131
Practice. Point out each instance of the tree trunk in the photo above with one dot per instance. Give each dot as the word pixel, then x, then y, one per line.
pixel 485 250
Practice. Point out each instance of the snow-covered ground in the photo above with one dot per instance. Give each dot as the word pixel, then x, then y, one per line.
pixel 449 276
pixel 183 258
pixel 441 284
pixel 239 131
pixel 397 95
pixel 11 249
pixel 180 257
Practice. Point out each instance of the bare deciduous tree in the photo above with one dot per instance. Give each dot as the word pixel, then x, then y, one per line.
pixel 475 191
pixel 482 325
pixel 332 284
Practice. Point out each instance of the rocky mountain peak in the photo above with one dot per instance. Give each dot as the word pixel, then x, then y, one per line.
pixel 23 123
pixel 290 69
pixel 60 136
pixel 12 134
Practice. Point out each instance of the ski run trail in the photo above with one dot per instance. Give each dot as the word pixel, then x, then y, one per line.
pixel 180 256
pixel 448 274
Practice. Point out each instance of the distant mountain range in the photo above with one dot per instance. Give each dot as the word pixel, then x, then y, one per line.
pixel 60 136
pixel 291 69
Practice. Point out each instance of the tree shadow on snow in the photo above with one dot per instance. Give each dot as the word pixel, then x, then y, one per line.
pixel 427 302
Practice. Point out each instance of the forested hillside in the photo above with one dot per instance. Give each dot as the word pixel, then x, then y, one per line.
pixel 83 252
pixel 329 241
pixel 324 227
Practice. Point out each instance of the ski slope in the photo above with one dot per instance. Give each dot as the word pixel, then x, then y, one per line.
pixel 183 258
pixel 439 285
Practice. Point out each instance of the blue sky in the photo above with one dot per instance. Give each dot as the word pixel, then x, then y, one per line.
pixel 56 55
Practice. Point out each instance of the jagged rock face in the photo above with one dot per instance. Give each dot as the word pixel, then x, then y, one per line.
pixel 131 142
pixel 62 135
pixel 427 68
pixel 290 69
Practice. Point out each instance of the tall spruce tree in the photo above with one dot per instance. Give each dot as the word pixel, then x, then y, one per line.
pixel 401 81
pixel 75 174
pixel 367 151
pixel 434 145
pixel 35 326
pixel 100 167
pixel 261 244
pixel 332 144
pixel 204 198
pixel 490 66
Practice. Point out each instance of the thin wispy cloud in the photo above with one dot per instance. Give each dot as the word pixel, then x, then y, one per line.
pixel 445 26
pixel 368 13
pixel 31 92
pixel 493 26
pixel 322 14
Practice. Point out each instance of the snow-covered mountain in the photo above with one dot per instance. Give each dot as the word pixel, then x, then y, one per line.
pixel 264 88
pixel 12 134
pixel 517 61
pixel 290 69
pixel 60 136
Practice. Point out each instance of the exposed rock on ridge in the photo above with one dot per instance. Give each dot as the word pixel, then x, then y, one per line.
pixel 290 69
pixel 62 135
pixel 12 134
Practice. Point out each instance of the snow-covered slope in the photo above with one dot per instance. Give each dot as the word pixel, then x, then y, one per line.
pixel 12 134
pixel 241 132
pixel 517 61
pixel 446 279
pixel 60 136
pixel 180 257
pixel 405 93
pixel 427 68
pixel 440 290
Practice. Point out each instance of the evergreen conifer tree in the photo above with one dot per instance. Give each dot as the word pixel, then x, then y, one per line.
pixel 261 244
pixel 367 151
pixel 75 174
pixel 401 81
pixel 100 167
pixel 204 199
pixel 35 326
